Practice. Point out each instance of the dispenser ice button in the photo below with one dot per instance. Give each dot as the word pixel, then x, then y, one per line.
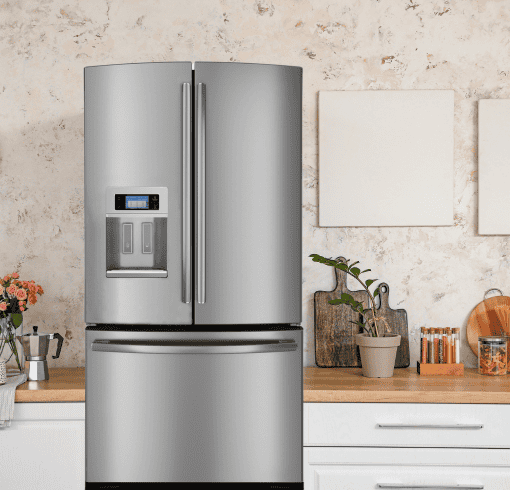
pixel 147 238
pixel 127 238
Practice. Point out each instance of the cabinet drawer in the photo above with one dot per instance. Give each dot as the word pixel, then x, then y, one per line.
pixel 372 468
pixel 406 425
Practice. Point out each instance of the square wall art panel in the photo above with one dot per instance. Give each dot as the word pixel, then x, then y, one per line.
pixel 386 158
pixel 494 167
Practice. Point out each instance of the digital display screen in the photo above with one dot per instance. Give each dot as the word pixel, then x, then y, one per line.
pixel 137 202
pixel 134 202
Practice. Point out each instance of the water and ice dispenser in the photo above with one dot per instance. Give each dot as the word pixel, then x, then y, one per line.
pixel 136 231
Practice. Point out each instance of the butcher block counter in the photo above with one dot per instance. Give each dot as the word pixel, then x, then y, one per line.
pixel 347 385
pixel 323 385
pixel 64 385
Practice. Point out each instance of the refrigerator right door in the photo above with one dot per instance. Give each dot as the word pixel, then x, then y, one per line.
pixel 247 193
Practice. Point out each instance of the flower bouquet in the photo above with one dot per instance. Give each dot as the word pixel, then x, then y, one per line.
pixel 15 296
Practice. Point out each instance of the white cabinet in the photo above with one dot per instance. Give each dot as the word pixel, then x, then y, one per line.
pixel 44 448
pixel 405 445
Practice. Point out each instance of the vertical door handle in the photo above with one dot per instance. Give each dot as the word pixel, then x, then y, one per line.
pixel 201 194
pixel 186 193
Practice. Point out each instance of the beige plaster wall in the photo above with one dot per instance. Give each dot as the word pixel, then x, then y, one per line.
pixel 437 274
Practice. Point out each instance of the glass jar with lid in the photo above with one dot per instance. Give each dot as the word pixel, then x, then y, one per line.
pixel 492 356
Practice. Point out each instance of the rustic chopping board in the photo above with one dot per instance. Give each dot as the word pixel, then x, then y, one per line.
pixel 491 317
pixel 335 342
pixel 397 322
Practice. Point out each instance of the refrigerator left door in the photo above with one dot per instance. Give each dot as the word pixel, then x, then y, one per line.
pixel 137 151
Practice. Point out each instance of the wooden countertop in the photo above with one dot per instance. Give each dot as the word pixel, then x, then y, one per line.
pixel 406 386
pixel 322 385
pixel 64 385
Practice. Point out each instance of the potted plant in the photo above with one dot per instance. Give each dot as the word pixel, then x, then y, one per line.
pixel 378 349
pixel 15 297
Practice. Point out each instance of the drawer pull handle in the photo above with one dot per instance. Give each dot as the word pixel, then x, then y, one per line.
pixel 403 485
pixel 431 426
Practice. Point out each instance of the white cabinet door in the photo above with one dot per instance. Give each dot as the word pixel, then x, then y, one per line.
pixel 406 425
pixel 44 448
pixel 378 468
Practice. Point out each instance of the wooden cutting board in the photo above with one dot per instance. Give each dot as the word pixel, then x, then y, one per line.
pixel 491 317
pixel 397 322
pixel 335 342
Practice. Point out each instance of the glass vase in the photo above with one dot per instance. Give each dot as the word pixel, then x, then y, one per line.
pixel 11 349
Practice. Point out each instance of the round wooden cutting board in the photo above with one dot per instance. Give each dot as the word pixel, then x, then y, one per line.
pixel 490 317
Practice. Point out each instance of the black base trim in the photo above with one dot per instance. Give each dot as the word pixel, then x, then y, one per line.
pixel 206 485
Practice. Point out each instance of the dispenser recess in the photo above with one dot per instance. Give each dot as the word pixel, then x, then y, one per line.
pixel 136 231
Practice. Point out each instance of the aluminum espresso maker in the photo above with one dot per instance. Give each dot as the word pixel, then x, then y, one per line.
pixel 36 346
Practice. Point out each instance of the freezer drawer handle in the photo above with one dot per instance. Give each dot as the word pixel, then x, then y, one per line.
pixel 201 194
pixel 186 193
pixel 446 487
pixel 430 426
pixel 194 346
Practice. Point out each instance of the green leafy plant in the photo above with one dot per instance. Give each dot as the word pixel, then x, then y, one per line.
pixel 370 325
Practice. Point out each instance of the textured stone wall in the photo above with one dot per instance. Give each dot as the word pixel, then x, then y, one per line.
pixel 437 274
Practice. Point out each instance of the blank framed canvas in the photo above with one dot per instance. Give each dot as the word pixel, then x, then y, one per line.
pixel 386 158
pixel 494 167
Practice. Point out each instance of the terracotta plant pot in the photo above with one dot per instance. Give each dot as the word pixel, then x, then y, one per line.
pixel 378 354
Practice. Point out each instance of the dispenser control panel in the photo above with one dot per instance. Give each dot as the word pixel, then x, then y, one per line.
pixel 136 201
pixel 132 202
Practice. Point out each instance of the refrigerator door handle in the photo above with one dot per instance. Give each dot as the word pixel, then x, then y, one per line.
pixel 201 194
pixel 194 346
pixel 186 193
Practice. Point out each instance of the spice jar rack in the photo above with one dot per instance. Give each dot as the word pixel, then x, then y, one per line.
pixel 427 369
pixel 440 352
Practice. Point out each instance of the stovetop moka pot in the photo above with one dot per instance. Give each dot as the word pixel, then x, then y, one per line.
pixel 36 346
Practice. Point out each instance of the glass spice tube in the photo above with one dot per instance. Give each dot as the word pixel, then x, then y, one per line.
pixel 436 346
pixel 445 345
pixel 448 349
pixel 427 338
pixel 452 347
pixel 432 355
pixel 440 336
pixel 456 333
pixel 492 356
pixel 423 346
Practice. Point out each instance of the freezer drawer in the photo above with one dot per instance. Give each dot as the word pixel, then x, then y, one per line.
pixel 194 406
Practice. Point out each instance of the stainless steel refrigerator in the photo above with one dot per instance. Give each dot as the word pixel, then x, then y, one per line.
pixel 193 275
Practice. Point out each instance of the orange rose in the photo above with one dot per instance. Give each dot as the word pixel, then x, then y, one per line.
pixel 32 288
pixel 15 275
pixel 3 306
pixel 6 278
pixel 40 290
pixel 32 298
pixel 21 294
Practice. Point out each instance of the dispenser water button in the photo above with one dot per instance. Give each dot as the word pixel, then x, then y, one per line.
pixel 127 238
pixel 147 238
